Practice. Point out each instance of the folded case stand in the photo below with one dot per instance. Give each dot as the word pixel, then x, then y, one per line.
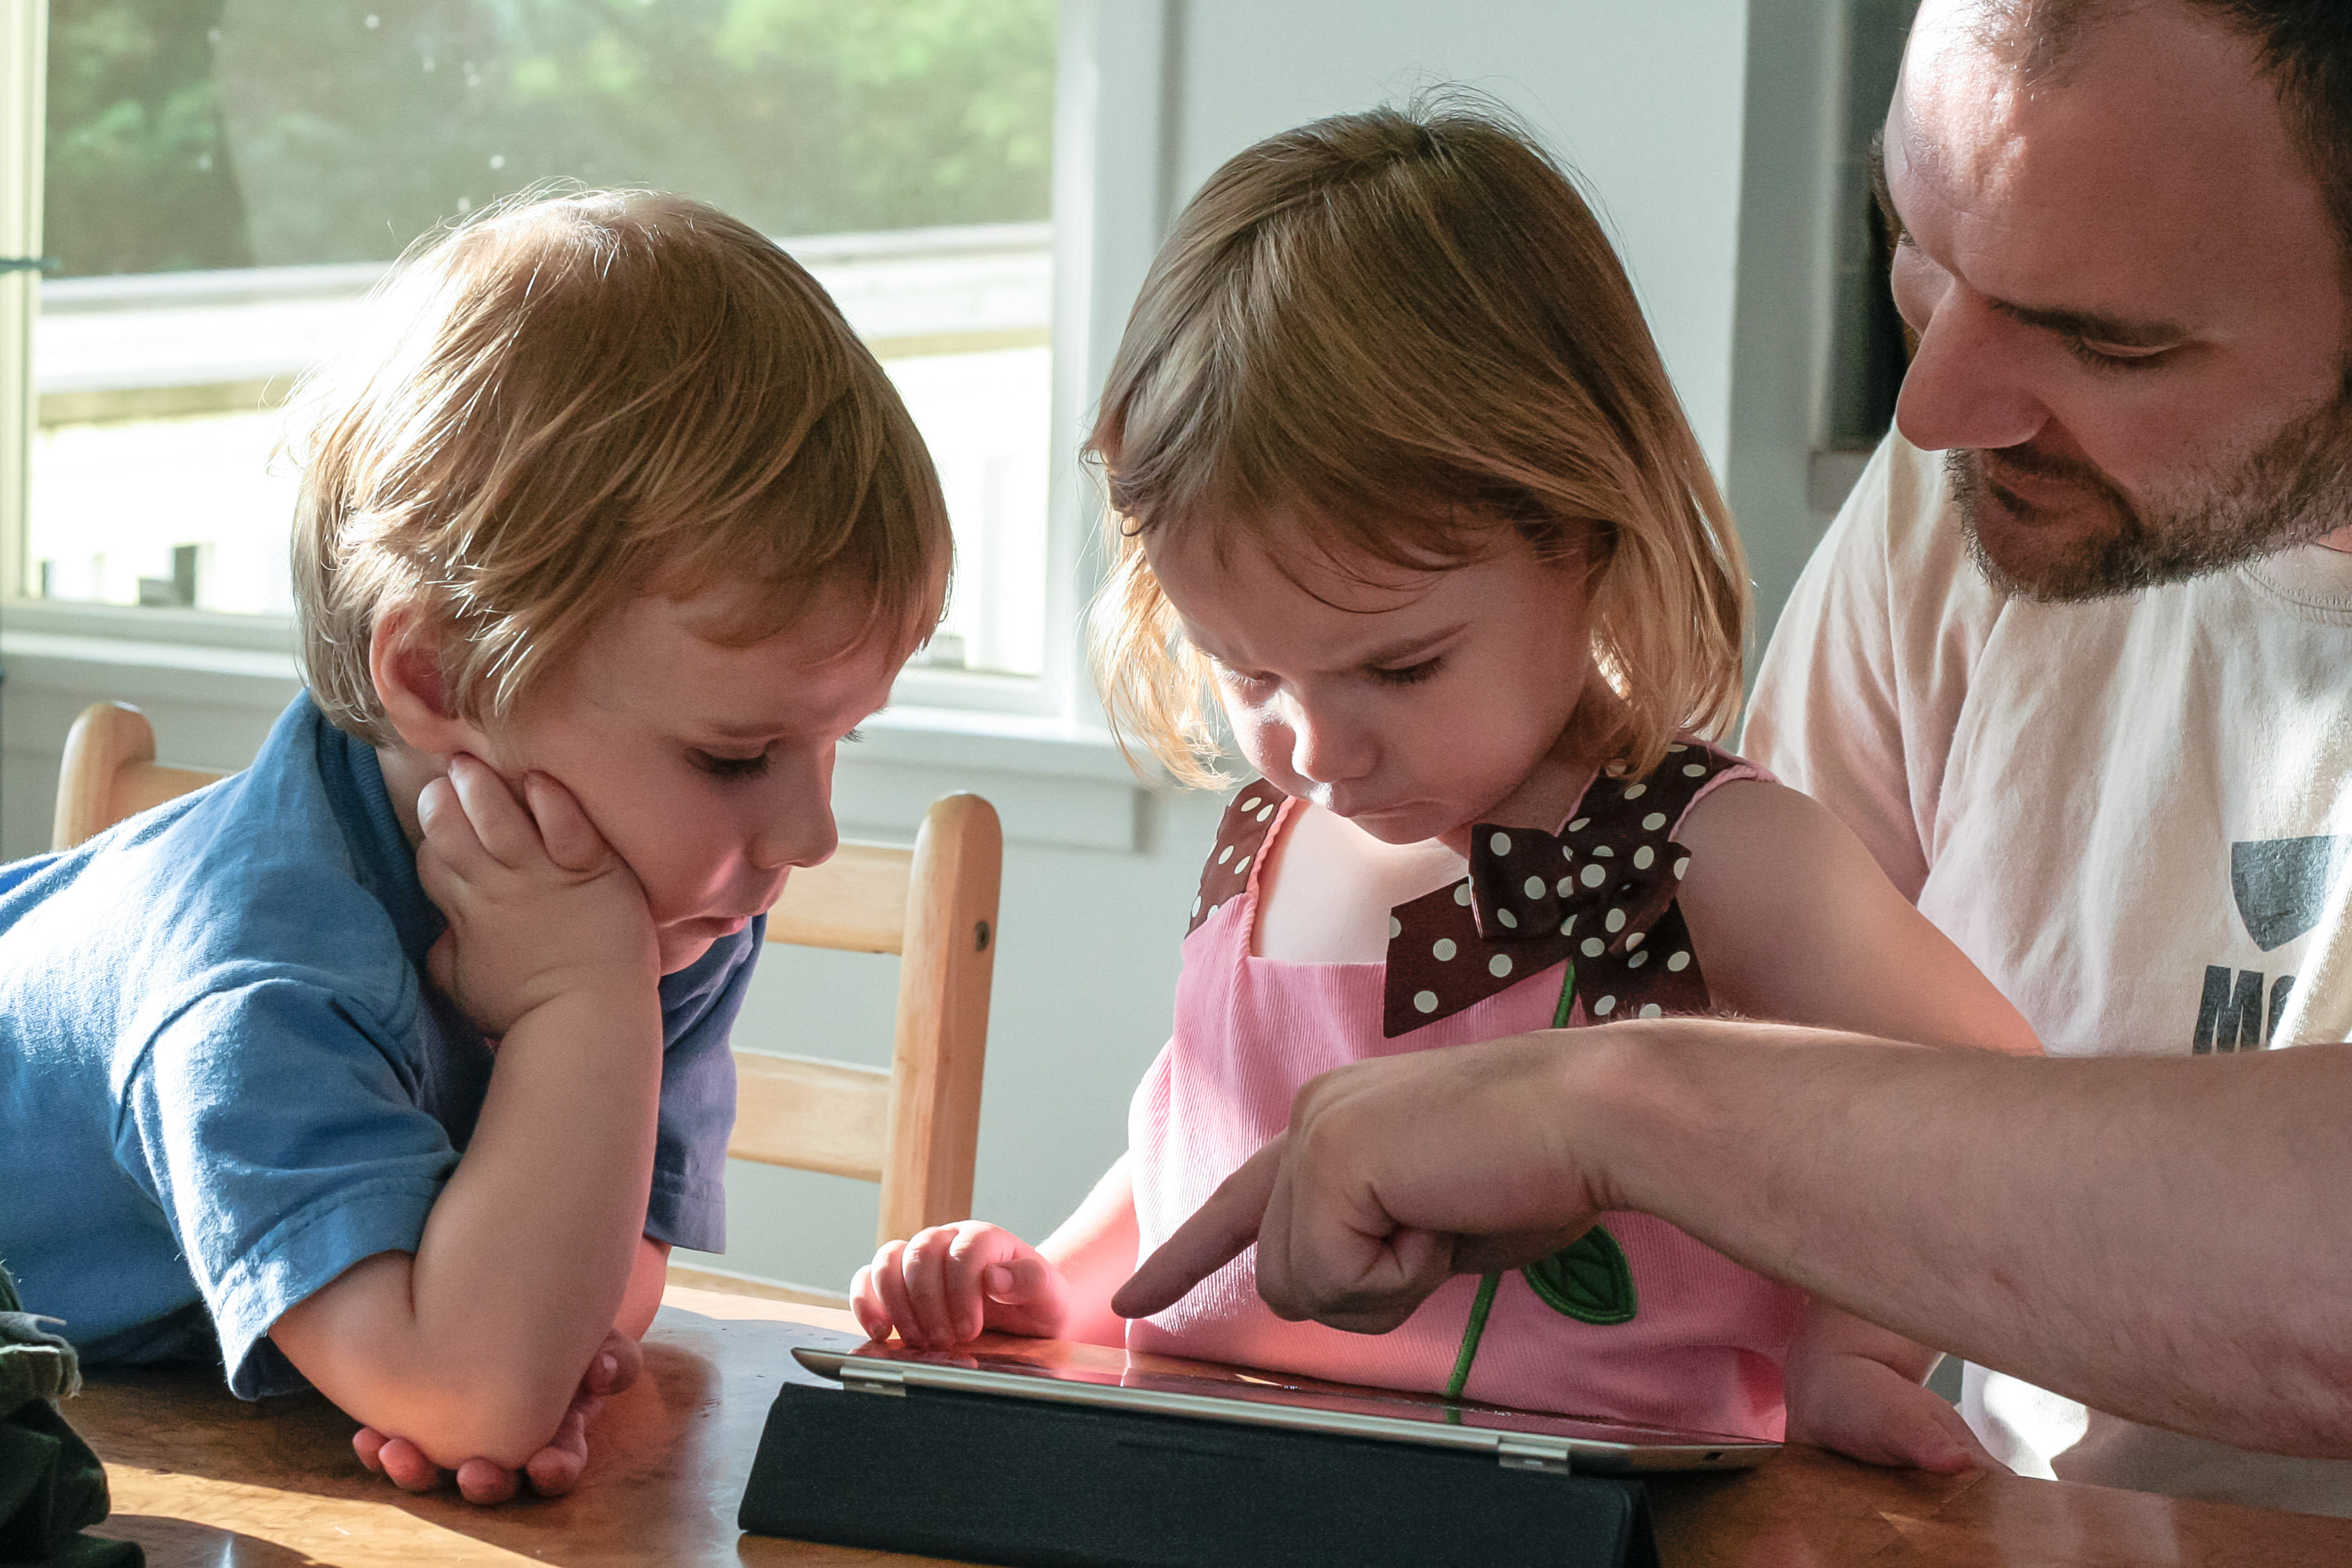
pixel 948 1474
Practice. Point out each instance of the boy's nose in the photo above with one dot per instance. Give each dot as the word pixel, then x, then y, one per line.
pixel 802 835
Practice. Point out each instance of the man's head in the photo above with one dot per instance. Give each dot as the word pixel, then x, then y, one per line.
pixel 2125 241
pixel 613 494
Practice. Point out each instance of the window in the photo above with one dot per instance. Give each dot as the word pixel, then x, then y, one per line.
pixel 226 179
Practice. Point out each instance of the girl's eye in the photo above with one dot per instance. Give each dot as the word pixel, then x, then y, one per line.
pixel 1408 675
pixel 729 769
pixel 1232 677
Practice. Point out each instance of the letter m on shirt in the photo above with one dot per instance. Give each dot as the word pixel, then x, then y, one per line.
pixel 2231 1016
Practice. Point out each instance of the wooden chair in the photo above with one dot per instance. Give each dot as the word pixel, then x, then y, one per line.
pixel 914 1128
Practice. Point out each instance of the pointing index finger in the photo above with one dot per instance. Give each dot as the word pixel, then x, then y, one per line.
pixel 1212 1238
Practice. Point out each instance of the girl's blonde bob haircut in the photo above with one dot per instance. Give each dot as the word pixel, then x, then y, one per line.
pixel 577 399
pixel 1392 335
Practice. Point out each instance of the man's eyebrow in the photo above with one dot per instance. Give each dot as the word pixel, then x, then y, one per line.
pixel 2097 326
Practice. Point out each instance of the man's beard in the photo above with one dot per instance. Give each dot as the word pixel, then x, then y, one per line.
pixel 2295 487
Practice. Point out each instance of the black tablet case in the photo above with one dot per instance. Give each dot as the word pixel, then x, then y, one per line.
pixel 988 1480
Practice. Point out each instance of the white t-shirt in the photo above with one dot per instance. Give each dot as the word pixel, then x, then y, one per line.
pixel 2129 814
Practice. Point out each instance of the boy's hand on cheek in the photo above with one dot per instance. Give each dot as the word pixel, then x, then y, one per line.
pixel 539 905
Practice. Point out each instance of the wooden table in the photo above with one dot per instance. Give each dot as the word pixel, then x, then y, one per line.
pixel 199 1477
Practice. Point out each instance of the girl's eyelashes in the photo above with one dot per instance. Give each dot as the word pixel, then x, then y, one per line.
pixel 1408 675
pixel 731 769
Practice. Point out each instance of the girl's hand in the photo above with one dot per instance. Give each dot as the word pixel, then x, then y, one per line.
pixel 538 904
pixel 1866 1410
pixel 552 1471
pixel 953 1283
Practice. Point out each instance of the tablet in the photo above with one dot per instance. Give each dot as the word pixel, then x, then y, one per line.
pixel 1059 1372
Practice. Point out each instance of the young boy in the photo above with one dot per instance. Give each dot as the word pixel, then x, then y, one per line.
pixel 397 1062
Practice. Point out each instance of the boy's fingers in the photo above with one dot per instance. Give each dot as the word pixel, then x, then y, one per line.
pixel 449 835
pixel 619 1362
pixel 407 1468
pixel 486 1481
pixel 499 822
pixel 441 962
pixel 571 841
pixel 367 1443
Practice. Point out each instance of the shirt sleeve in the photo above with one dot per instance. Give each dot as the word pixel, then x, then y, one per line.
pixel 687 1207
pixel 278 1129
pixel 1860 691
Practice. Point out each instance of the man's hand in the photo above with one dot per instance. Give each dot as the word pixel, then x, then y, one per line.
pixel 552 1471
pixel 538 904
pixel 1394 1175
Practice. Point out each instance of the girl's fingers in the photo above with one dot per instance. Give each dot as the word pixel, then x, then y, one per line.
pixel 571 841
pixel 890 1279
pixel 504 829
pixel 927 1271
pixel 866 1302
pixel 972 1255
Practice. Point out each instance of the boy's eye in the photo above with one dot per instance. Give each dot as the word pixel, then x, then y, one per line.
pixel 731 768
pixel 1408 675
pixel 854 736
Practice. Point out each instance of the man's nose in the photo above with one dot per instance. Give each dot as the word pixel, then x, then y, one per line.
pixel 1970 382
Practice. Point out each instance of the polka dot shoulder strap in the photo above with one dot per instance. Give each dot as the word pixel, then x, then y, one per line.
pixel 1240 836
pixel 1599 893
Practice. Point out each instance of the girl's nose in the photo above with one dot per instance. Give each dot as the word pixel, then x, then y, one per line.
pixel 1325 747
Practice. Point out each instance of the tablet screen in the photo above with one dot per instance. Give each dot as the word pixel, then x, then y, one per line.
pixel 1013 1360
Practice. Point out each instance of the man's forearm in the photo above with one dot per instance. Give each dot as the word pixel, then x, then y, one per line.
pixel 2163 1238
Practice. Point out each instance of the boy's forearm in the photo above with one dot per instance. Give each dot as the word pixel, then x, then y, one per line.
pixel 2160 1237
pixel 475 1347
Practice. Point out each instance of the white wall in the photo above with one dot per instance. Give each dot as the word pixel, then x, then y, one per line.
pixel 1699 128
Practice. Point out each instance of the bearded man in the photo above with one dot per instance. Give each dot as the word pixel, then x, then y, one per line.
pixel 2076 664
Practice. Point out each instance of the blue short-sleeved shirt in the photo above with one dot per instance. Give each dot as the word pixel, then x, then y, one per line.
pixel 223 1080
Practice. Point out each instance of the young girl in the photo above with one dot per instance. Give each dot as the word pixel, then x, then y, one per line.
pixel 1402 482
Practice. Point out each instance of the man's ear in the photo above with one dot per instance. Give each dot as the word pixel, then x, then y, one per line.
pixel 405 662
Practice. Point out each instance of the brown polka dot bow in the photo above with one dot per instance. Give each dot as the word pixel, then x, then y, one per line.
pixel 1599 893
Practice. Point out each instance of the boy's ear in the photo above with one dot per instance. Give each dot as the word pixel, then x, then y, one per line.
pixel 405 662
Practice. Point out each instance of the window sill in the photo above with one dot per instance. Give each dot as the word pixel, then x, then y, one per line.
pixel 1052 782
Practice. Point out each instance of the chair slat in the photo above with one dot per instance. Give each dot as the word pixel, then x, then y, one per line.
pixel 810 1114
pixel 857 901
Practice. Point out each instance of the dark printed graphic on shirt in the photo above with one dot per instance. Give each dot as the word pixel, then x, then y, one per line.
pixel 2280 887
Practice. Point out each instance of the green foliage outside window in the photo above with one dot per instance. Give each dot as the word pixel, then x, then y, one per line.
pixel 210 133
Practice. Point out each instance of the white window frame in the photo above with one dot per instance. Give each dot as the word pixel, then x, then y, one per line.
pixel 1036 746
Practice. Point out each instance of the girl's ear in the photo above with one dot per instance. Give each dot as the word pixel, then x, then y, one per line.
pixel 405 663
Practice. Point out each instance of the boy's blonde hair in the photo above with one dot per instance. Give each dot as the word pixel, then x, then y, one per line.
pixel 578 399
pixel 1392 334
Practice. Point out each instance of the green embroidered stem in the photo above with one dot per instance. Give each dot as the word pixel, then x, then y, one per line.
pixel 1567 998
pixel 1471 1334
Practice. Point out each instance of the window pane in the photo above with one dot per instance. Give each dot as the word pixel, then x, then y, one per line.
pixel 225 178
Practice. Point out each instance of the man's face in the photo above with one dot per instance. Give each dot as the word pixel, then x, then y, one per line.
pixel 708 768
pixel 2129 301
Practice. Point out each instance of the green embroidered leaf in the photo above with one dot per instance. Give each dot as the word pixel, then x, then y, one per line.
pixel 1588 1279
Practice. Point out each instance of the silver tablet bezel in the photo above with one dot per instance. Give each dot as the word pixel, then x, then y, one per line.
pixel 1512 1450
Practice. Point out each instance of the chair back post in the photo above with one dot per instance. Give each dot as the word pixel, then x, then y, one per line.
pixel 948 961
pixel 107 737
